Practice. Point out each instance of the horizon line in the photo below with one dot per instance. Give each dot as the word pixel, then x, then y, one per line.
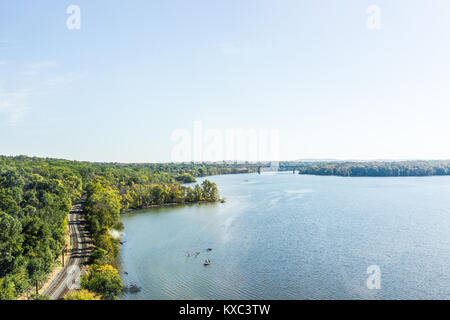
pixel 236 161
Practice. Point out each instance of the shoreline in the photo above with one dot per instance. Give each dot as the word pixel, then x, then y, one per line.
pixel 171 204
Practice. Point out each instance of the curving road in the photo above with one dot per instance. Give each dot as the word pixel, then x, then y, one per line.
pixel 75 265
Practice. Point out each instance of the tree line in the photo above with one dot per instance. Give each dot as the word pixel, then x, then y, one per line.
pixel 370 169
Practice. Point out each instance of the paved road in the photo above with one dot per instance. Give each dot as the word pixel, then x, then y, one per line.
pixel 75 264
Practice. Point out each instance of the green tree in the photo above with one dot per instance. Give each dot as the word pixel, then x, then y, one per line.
pixel 10 242
pixel 198 193
pixel 103 280
pixel 104 206
pixel 7 289
pixel 157 194
pixel 185 178
pixel 210 191
pixel 190 195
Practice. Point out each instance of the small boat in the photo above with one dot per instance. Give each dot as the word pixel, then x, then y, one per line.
pixel 207 262
pixel 209 249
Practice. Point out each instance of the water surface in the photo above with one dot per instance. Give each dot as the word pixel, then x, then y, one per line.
pixel 290 236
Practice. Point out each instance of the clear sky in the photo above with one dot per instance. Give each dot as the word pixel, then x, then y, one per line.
pixel 136 71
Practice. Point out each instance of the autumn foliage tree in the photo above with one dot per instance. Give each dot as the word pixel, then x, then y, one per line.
pixel 81 295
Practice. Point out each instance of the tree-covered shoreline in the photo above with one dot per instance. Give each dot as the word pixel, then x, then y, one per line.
pixel 412 168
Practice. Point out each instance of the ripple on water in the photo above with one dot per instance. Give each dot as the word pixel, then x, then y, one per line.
pixel 296 237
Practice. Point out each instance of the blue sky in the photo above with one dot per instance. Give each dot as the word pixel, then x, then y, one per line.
pixel 116 89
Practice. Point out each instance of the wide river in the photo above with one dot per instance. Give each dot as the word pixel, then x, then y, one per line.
pixel 290 236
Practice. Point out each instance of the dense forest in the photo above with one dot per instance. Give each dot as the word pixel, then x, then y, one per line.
pixel 36 195
pixel 370 169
